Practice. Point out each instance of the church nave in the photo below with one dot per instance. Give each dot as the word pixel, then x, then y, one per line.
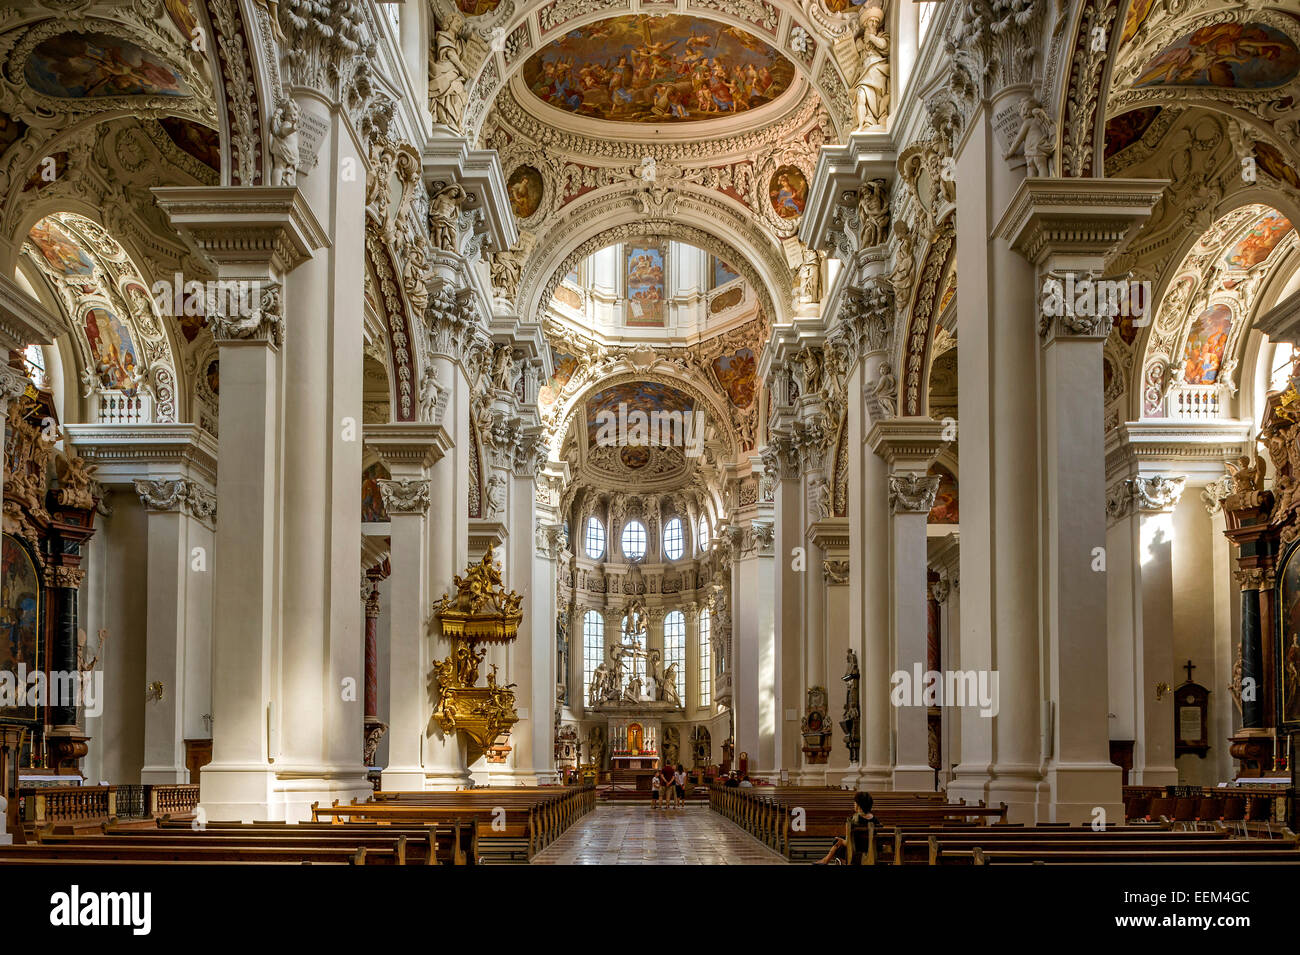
pixel 622 834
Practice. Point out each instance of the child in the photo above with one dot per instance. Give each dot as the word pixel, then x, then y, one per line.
pixel 655 792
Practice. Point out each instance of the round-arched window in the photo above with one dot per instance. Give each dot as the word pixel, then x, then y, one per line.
pixel 595 539
pixel 634 540
pixel 674 539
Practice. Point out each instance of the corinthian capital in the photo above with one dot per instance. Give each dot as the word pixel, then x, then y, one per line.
pixel 912 493
pixel 451 321
pixel 327 46
pixel 405 496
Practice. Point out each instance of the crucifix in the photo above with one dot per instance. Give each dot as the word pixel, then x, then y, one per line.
pixel 1189 667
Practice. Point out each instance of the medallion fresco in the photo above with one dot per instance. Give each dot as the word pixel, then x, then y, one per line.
pixel 788 192
pixel 525 189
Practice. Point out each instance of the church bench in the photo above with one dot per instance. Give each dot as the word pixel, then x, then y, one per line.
pixel 412 847
pixel 936 848
pixel 517 835
pixel 1122 857
pixel 95 851
pixel 456 842
pixel 399 850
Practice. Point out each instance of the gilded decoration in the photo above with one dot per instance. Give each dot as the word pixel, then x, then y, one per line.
pixel 480 611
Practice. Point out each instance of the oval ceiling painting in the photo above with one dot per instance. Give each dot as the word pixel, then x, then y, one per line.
pixel 1241 56
pixel 81 65
pixel 666 69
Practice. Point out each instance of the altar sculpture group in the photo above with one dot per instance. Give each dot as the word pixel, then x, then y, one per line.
pixel 613 682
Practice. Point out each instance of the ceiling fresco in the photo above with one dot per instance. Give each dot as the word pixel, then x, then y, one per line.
pixel 665 69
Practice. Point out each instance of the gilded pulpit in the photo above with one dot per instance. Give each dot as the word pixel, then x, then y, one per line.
pixel 480 611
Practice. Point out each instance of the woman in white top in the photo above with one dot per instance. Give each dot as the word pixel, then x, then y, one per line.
pixel 679 787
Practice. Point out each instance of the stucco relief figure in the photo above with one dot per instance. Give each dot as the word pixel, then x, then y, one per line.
pixel 808 278
pixel 447 75
pixel 633 692
pixel 1034 139
pixel 430 391
pixel 904 268
pixel 873 210
pixel 285 152
pixel 444 210
pixel 503 368
pixel 872 88
pixel 496 495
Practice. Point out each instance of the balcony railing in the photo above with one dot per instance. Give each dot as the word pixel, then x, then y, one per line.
pixel 116 407
pixel 1195 402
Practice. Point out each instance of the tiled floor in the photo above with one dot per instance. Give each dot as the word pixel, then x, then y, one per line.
pixel 638 835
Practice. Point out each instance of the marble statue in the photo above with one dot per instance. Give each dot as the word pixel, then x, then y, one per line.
pixel 285 153
pixel 1035 139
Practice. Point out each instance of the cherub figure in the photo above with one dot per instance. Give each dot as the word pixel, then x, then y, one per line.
pixel 1034 139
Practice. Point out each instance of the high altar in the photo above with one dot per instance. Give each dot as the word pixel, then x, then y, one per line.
pixel 634 741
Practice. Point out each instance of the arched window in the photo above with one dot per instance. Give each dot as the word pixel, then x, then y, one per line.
pixel 675 649
pixel 674 539
pixel 593 648
pixel 1280 373
pixel 702 533
pixel 595 542
pixel 34 358
pixel 706 660
pixel 633 540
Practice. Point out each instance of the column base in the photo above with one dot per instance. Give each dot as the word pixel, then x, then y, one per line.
pixel 230 793
pixel 914 778
pixel 1024 790
pixel 874 778
pixel 1079 789
pixel 164 775
pixel 293 793
pixel 969 782
pixel 445 780
pixel 1154 776
pixel 402 779
pixel 809 776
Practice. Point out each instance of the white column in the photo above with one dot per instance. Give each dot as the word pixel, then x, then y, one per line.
pixel 1067 229
pixel 254 235
pixel 409 451
pixel 1143 644
pixel 908 446
pixel 180 547
pixel 998 417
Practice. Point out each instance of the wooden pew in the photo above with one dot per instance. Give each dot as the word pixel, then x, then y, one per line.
pixel 93 850
pixel 533 816
pixel 410 848
pixel 453 843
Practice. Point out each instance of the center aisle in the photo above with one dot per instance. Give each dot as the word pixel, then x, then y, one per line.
pixel 638 835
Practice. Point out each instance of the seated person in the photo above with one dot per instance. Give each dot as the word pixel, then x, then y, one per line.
pixel 862 815
pixel 732 782
pixel 744 781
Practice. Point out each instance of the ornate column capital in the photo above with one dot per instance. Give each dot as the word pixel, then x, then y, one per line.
pixel 1148 495
pixel 182 496
pixel 258 319
pixel 835 572
pixel 453 328
pixel 405 496
pixel 13 384
pixel 912 493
